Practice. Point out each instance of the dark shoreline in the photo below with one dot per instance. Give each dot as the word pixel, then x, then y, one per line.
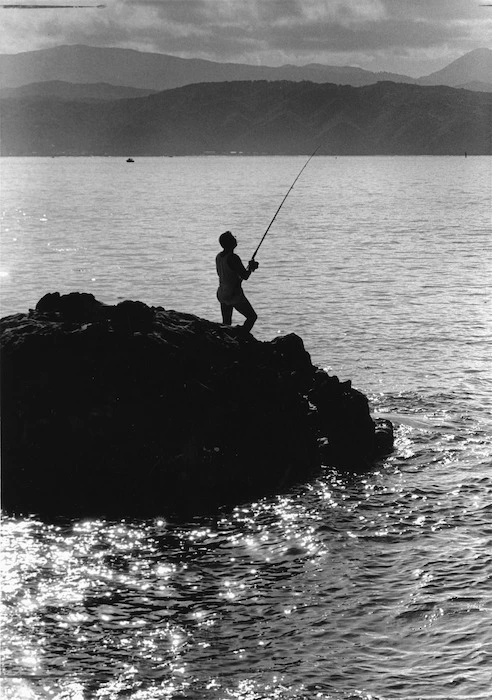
pixel 131 410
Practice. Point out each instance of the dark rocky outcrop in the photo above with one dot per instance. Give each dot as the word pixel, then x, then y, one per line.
pixel 132 410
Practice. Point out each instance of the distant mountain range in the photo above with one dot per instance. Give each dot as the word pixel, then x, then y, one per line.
pixel 155 72
pixel 254 117
pixel 82 100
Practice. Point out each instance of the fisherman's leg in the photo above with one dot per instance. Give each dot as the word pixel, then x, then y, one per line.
pixel 226 314
pixel 245 308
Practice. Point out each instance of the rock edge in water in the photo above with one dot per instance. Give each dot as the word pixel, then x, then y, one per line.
pixel 136 410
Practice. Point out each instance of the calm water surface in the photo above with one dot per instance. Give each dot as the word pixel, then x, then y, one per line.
pixel 372 587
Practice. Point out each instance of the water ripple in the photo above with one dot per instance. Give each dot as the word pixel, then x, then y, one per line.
pixel 363 587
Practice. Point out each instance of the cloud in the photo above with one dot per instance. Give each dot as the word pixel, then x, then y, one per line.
pixel 253 14
pixel 400 35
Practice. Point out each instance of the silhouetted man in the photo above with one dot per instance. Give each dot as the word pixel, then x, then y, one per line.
pixel 231 273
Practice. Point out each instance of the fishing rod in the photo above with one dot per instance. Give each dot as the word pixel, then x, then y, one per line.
pixel 283 200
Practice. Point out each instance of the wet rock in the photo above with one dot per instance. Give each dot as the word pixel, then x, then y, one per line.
pixel 73 306
pixel 384 436
pixel 135 410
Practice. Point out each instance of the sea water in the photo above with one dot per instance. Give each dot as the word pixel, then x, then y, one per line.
pixel 367 587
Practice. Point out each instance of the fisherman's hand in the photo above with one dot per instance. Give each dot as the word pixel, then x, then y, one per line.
pixel 253 265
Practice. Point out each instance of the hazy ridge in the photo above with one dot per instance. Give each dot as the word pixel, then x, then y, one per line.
pixel 89 64
pixel 126 67
pixel 73 91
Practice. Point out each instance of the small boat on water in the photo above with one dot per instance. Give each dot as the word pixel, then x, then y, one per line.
pixel 130 160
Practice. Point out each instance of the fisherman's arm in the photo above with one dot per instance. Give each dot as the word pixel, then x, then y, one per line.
pixel 237 265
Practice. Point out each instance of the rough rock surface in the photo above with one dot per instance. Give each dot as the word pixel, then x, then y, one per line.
pixel 134 410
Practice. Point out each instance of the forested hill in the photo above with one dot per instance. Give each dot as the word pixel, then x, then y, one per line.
pixel 255 118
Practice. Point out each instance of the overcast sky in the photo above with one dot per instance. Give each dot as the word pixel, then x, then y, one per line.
pixel 412 37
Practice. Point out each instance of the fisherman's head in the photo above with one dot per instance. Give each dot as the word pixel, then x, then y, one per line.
pixel 227 241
